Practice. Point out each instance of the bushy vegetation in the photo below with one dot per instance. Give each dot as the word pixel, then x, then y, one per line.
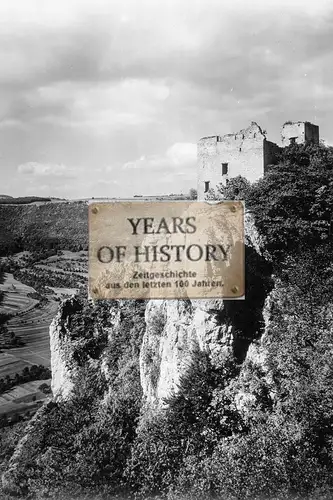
pixel 40 279
pixel 28 374
pixel 202 445
pixel 8 339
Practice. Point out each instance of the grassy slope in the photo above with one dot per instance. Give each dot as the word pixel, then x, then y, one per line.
pixel 66 222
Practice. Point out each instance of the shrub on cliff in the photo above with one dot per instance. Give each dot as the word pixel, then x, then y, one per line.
pixel 193 422
pixel 293 203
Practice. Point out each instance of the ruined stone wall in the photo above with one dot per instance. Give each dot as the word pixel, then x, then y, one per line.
pixel 243 152
pixel 271 152
pixel 247 153
pixel 300 131
pixel 207 162
pixel 312 132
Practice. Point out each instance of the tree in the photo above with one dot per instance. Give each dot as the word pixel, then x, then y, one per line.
pixel 193 194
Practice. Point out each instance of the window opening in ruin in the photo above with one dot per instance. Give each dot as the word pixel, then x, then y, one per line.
pixel 224 168
pixel 206 186
pixel 240 149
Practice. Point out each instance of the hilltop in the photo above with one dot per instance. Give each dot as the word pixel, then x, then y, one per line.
pixel 33 223
pixel 57 225
pixel 22 200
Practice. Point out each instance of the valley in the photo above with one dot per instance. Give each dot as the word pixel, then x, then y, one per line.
pixel 31 287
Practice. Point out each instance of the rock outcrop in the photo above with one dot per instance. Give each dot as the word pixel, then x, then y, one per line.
pixel 63 366
pixel 227 330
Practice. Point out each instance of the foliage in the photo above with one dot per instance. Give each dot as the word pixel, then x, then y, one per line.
pixel 39 279
pixel 193 194
pixel 28 374
pixel 194 420
pixel 293 203
pixel 49 226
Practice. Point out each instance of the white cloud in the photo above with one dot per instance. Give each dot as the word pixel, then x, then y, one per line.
pixel 97 108
pixel 180 154
pixel 174 171
pixel 45 170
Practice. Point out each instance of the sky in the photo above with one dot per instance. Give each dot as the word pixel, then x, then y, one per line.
pixel 108 98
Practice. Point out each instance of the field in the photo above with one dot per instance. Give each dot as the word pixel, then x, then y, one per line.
pixel 67 262
pixel 33 328
pixel 66 270
pixel 54 278
pixel 16 300
pixel 22 399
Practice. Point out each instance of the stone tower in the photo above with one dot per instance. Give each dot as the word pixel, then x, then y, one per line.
pixel 299 133
pixel 247 153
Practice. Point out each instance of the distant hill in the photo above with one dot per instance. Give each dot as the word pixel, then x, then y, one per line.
pixel 33 223
pixel 22 200
pixel 56 225
pixel 4 196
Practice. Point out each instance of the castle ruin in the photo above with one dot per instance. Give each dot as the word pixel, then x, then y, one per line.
pixel 247 153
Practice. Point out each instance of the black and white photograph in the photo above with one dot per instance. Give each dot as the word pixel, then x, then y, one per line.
pixel 195 138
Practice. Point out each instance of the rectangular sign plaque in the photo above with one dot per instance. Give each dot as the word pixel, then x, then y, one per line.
pixel 166 250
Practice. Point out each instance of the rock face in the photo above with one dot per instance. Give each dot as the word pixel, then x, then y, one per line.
pixel 67 365
pixel 174 327
pixel 227 330
pixel 62 366
pixel 66 362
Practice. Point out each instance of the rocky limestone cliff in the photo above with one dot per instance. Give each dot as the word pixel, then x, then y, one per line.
pixel 227 330
pixel 71 355
pixel 61 359
pixel 224 329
